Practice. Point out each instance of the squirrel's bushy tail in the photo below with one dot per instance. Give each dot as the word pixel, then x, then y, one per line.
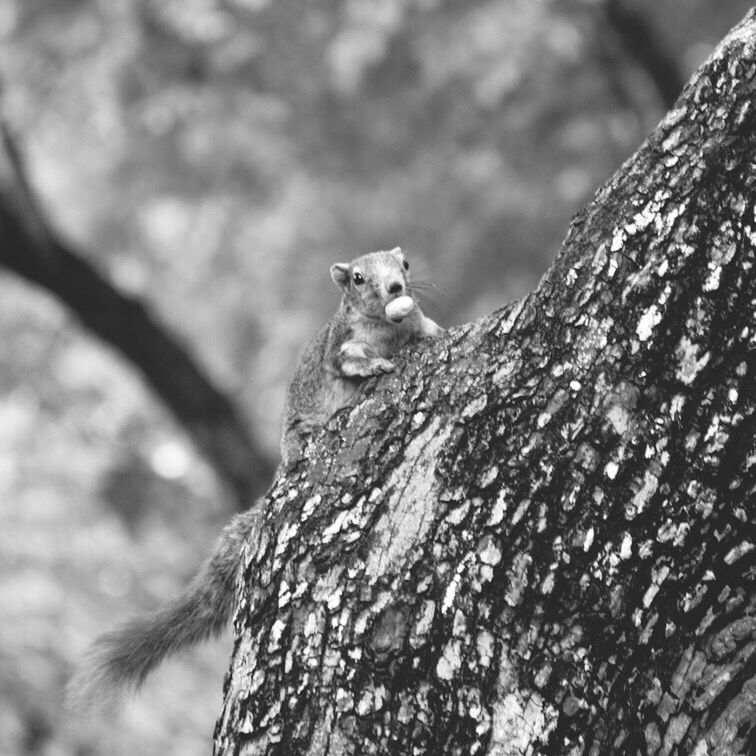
pixel 122 659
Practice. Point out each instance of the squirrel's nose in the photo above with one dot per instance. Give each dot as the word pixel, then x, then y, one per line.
pixel 395 287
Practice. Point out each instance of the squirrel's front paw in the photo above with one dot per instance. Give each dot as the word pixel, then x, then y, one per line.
pixel 366 367
pixel 378 366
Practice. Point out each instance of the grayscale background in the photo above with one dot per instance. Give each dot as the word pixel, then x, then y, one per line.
pixel 211 159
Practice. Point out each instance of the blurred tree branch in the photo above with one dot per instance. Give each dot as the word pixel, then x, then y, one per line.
pixel 639 37
pixel 30 247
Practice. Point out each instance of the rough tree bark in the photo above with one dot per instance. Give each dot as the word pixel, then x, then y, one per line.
pixel 30 248
pixel 538 536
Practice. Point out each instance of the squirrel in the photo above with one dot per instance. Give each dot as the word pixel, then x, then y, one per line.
pixel 376 317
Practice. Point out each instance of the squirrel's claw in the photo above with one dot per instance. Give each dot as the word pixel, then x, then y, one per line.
pixel 380 366
pixel 366 367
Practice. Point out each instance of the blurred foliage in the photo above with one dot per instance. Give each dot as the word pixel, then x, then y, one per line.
pixel 214 157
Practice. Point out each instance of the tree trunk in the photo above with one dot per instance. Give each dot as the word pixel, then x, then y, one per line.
pixel 538 536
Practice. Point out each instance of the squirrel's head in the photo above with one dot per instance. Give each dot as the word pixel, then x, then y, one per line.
pixel 370 282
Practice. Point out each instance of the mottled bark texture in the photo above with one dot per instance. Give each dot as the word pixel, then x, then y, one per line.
pixel 538 536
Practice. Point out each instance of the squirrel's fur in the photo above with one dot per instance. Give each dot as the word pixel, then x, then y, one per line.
pixel 356 343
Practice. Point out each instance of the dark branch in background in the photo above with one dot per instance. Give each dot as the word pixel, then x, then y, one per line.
pixel 640 39
pixel 31 249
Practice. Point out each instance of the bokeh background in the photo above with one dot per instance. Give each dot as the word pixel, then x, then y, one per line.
pixel 211 158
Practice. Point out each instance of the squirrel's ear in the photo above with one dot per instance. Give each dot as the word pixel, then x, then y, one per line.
pixel 340 274
pixel 396 251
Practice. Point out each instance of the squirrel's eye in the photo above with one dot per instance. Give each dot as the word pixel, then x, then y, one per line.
pixel 406 265
pixel 358 279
